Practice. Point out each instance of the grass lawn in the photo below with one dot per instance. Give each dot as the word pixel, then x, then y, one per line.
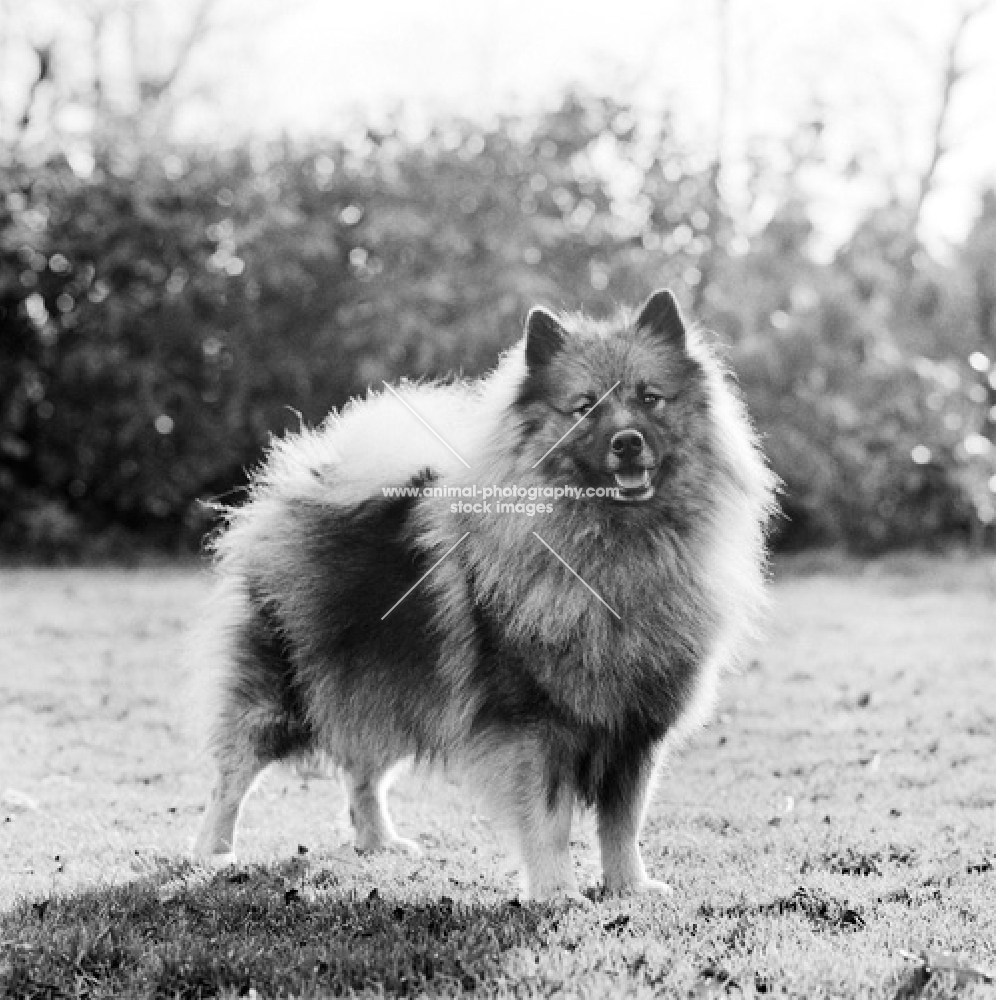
pixel 835 821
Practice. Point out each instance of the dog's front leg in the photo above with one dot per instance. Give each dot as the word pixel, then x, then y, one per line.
pixel 622 801
pixel 542 809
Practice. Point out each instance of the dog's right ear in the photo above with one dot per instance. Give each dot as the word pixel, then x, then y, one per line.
pixel 544 337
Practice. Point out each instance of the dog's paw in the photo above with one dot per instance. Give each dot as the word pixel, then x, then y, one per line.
pixel 561 898
pixel 645 887
pixel 393 845
pixel 573 899
pixel 403 845
pixel 656 887
pixel 223 859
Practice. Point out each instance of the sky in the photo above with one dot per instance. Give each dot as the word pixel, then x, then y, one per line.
pixel 871 68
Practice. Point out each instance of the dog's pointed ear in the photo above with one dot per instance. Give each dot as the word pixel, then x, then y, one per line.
pixel 544 337
pixel 661 317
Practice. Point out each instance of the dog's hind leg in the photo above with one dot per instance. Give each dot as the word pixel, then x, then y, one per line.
pixel 254 717
pixel 367 786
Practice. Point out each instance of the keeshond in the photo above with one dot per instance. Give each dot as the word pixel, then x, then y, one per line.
pixel 368 612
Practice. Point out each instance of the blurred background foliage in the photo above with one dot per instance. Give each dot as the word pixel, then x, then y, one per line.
pixel 164 310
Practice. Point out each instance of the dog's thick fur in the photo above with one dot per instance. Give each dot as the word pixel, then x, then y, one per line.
pixel 500 661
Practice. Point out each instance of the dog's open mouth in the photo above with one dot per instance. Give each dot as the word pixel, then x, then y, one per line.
pixel 634 486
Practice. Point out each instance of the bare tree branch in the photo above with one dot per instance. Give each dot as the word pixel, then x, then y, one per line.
pixel 196 31
pixel 153 88
pixel 953 74
pixel 44 55
pixel 722 11
pixel 97 24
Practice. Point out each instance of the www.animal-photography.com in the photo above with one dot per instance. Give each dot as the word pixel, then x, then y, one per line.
pixel 497 499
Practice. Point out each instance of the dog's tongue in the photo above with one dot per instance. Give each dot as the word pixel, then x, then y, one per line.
pixel 633 481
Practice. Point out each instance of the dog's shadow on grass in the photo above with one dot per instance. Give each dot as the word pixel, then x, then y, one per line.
pixel 186 932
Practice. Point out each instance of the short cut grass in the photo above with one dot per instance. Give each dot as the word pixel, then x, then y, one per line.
pixel 833 824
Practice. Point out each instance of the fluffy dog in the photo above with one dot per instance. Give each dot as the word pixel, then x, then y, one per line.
pixel 362 616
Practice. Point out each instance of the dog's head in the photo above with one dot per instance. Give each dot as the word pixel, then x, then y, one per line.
pixel 620 405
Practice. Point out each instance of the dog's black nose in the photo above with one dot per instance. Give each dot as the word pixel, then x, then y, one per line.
pixel 627 443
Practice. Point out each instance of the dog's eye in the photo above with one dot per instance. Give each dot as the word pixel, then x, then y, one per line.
pixel 651 398
pixel 582 407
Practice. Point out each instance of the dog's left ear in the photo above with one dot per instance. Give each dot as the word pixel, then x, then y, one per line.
pixel 544 337
pixel 661 316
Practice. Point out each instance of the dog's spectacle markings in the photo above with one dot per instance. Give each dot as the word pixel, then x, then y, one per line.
pixel 428 571
pixel 596 594
pixel 557 442
pixel 422 420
